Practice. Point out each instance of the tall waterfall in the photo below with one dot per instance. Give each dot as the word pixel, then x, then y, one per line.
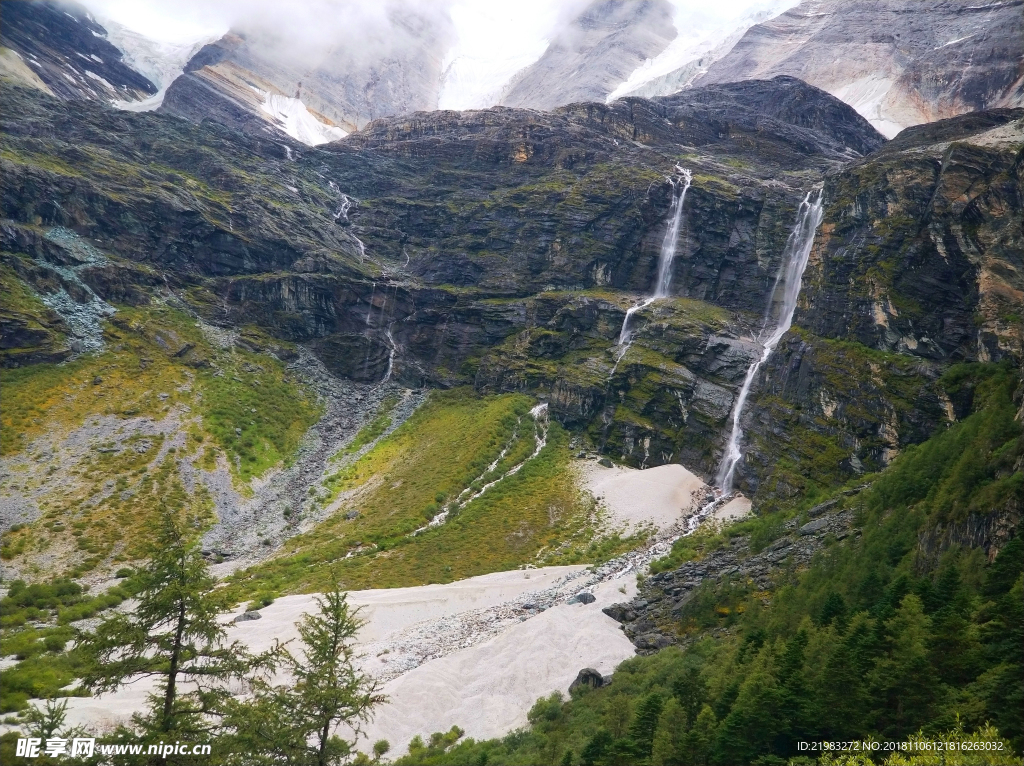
pixel 791 271
pixel 665 258
pixel 671 240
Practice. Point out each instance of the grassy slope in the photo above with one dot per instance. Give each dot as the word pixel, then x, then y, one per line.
pixel 407 478
pixel 874 639
pixel 100 500
pixel 213 390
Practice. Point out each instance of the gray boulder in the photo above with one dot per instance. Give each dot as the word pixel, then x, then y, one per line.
pixel 812 527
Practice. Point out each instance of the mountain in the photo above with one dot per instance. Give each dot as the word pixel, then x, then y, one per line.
pixel 316 76
pixel 59 48
pixel 730 340
pixel 898 63
pixel 538 206
pixel 596 51
pixel 317 90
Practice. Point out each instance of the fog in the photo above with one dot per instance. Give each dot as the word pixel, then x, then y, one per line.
pixel 484 43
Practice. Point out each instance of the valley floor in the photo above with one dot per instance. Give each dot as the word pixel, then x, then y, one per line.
pixel 478 652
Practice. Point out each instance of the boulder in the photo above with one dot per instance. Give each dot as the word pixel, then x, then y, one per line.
pixel 246 616
pixel 587 677
pixel 822 507
pixel 617 611
pixel 812 527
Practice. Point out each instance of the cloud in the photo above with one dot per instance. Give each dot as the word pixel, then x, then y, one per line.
pixel 309 24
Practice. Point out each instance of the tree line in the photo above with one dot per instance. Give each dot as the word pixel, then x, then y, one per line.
pixel 287 706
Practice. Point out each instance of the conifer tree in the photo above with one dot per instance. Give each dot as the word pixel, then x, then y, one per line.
pixel 691 691
pixel 902 681
pixel 298 723
pixel 172 635
pixel 645 723
pixel 698 741
pixel 667 748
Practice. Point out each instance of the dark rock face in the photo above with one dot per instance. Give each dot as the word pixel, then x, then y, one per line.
pixel 501 248
pixel 67 51
pixel 587 677
pixel 752 106
pixel 918 248
pixel 650 619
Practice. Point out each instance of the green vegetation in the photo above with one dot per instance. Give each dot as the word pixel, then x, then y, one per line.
pixel 101 507
pixel 436 460
pixel 24 310
pixel 372 430
pixel 871 392
pixel 44 668
pixel 886 634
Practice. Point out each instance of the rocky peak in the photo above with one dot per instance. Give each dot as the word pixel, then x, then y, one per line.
pixel 596 51
pixel 59 48
pixel 898 62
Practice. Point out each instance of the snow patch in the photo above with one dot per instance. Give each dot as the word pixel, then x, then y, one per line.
pixel 99 79
pixel 496 40
pixel 160 62
pixel 704 35
pixel 867 95
pixel 292 116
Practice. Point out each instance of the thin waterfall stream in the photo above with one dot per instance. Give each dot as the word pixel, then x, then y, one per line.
pixel 791 271
pixel 680 185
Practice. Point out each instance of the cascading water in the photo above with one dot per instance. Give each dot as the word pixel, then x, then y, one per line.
pixel 391 354
pixel 541 425
pixel 369 311
pixel 794 261
pixel 665 258
pixel 671 240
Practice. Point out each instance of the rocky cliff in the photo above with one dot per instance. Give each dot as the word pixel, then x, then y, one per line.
pixel 59 48
pixel 897 62
pixel 502 248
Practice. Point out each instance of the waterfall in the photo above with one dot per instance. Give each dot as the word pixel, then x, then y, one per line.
pixel 369 311
pixel 791 271
pixel 668 245
pixel 391 354
pixel 665 258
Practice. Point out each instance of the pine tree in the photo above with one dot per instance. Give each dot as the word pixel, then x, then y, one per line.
pixel 698 741
pixel 173 635
pixel 645 723
pixel 794 698
pixel 667 748
pixel 691 691
pixel 593 752
pixel 901 680
pixel 298 724
pixel 841 695
pixel 833 611
pixel 753 724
